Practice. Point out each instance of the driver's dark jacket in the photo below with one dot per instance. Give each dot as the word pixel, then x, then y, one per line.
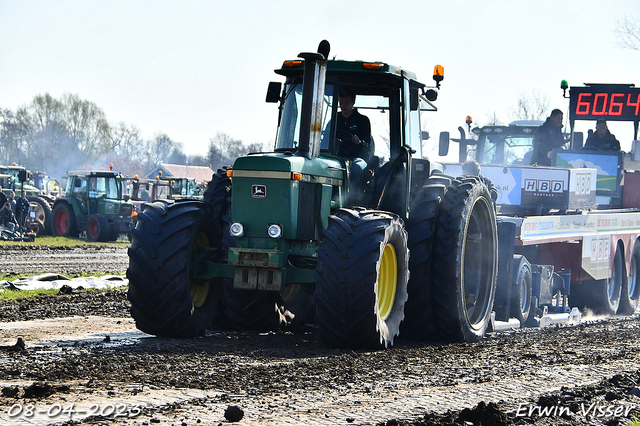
pixel 355 124
pixel 606 143
pixel 547 138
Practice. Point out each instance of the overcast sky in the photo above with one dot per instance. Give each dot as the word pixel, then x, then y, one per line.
pixel 191 69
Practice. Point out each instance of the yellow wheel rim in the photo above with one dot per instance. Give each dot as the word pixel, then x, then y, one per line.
pixel 199 292
pixel 387 281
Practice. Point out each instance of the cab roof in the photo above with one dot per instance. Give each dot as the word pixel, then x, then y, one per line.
pixel 94 173
pixel 296 66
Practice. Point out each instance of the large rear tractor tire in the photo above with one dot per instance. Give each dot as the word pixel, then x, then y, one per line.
pixel 419 318
pixel 361 279
pixel 166 300
pixel 522 306
pixel 631 287
pixel 465 261
pixel 44 214
pixel 98 228
pixel 64 221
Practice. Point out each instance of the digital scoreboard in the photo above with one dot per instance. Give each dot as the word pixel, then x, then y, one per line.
pixel 611 102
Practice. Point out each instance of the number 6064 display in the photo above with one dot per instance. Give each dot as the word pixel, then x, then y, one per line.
pixel 611 102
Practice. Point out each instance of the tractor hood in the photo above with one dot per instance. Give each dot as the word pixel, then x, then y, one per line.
pixel 285 165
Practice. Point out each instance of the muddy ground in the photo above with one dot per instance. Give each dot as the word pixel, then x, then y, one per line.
pixel 34 259
pixel 80 360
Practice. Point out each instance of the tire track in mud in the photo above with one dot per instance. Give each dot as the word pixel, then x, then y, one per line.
pixel 33 259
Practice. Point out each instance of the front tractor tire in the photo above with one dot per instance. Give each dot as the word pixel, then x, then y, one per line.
pixel 64 221
pixel 465 260
pixel 165 299
pixel 98 228
pixel 361 279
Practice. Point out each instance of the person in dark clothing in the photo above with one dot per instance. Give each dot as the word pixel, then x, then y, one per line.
pixel 22 207
pixel 5 210
pixel 602 138
pixel 354 130
pixel 547 138
pixel 12 202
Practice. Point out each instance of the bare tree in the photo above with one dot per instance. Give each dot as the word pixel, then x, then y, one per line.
pixel 197 160
pixel 13 138
pixel 87 125
pixel 531 106
pixel 162 149
pixel 628 32
pixel 126 140
pixel 223 150
pixel 50 146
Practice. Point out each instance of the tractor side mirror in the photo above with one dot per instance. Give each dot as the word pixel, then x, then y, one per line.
pixel 443 146
pixel 77 182
pixel 273 92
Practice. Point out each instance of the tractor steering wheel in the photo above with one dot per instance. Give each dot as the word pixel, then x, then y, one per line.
pixel 344 132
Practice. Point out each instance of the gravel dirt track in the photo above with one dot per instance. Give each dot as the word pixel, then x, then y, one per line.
pixel 83 349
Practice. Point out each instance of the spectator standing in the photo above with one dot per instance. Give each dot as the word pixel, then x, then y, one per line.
pixel 5 209
pixel 22 207
pixel 12 202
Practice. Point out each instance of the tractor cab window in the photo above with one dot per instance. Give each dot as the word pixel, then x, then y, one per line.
pixel 108 188
pixel 78 186
pixel 376 108
pixel 162 192
pixel 289 129
pixel 144 192
pixel 504 149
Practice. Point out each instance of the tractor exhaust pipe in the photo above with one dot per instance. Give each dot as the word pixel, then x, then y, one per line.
pixel 315 70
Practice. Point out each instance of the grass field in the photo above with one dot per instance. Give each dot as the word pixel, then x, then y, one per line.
pixel 66 242
pixel 53 242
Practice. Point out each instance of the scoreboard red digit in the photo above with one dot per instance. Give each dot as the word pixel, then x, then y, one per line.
pixel 615 102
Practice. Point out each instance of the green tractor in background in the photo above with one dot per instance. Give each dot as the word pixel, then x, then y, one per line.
pixel 94 203
pixel 289 236
pixel 17 178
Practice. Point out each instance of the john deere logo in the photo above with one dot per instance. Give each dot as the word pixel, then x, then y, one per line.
pixel 258 191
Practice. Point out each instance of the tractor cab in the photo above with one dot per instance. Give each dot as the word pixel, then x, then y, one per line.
pixel 392 101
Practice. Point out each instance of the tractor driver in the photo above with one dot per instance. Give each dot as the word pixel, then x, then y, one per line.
pixel 354 129
pixel 602 138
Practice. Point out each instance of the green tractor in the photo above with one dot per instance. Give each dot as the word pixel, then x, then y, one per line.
pixel 290 236
pixel 185 188
pixel 18 178
pixel 93 202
